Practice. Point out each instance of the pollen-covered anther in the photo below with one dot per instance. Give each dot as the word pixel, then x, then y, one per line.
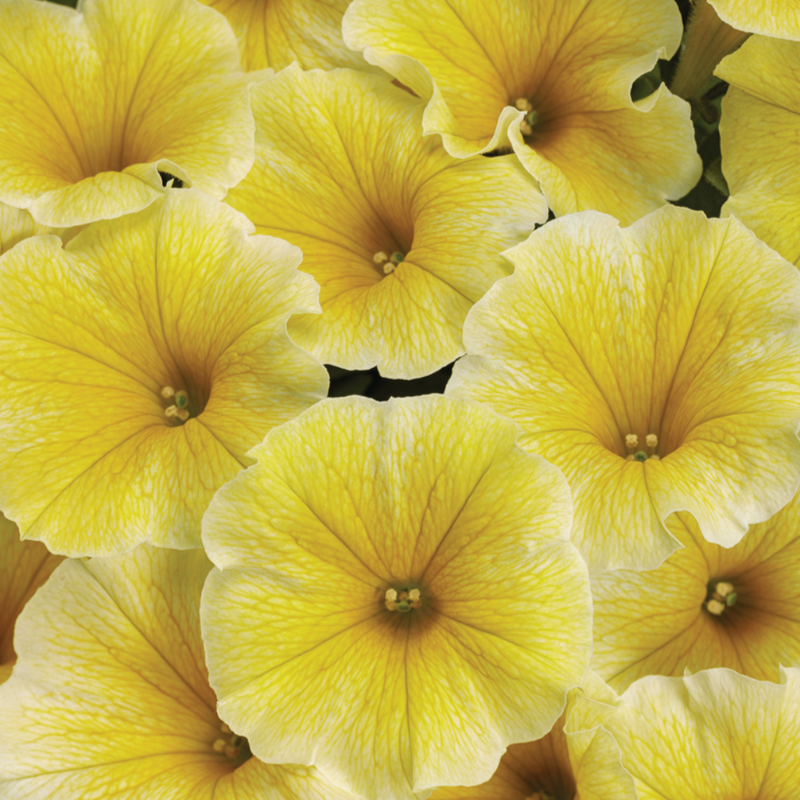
pixel 404 600
pixel 231 745
pixel 181 401
pixel 631 441
pixel 723 596
pixel 530 118
pixel 652 440
pixel 380 257
pixel 391 265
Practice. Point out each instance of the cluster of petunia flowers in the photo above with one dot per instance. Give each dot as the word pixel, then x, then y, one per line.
pixel 573 576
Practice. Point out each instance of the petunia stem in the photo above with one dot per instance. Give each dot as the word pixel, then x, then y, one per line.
pixel 708 41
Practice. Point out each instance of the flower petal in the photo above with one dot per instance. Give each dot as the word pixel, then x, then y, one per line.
pixel 770 17
pixel 276 33
pixel 760 140
pixel 710 735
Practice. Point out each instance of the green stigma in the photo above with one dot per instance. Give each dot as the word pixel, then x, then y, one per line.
pixel 640 456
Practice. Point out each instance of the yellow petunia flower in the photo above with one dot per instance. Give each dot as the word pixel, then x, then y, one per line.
pixel 778 18
pixel 711 736
pixel 705 606
pixel 140 363
pixel 656 366
pixel 550 78
pixel 760 137
pixel 110 697
pixel 560 766
pixel 24 567
pixel 402 238
pixel 102 107
pixel 396 598
pixel 274 33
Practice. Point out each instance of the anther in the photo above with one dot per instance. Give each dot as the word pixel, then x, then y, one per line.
pixel 380 257
pixel 219 746
pixel 167 392
pixel 652 440
pixel 171 411
pixel 231 752
pixel 225 729
pixel 183 414
pixel 631 441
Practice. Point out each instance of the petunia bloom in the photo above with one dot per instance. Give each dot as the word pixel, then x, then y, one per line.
pixel 140 363
pixel 24 567
pixel 657 366
pixel 396 598
pixel 401 237
pixel 705 606
pixel 274 33
pixel 551 79
pixel 102 107
pixel 560 766
pixel 110 697
pixel 760 138
pixel 716 734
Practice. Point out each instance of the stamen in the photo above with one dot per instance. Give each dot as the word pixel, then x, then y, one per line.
pixel 652 440
pixel 183 414
pixel 631 441
pixel 723 596
pixel 225 729
pixel 402 601
pixel 171 411
pixel 380 257
pixel 167 392
pixel 523 104
pixel 219 746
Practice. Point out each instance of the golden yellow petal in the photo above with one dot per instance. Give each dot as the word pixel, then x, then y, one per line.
pixel 401 237
pixel 664 333
pixel 274 33
pixel 139 85
pixel 176 296
pixel 17 224
pixel 350 507
pixel 24 567
pixel 707 736
pixel 759 138
pixel 625 162
pixel 776 18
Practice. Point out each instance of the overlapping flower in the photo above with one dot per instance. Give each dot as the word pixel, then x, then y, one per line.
pixel 218 584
